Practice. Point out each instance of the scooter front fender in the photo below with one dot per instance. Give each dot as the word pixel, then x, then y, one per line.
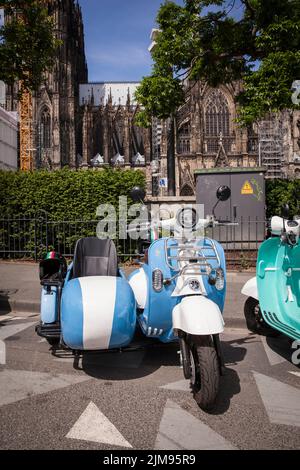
pixel 197 315
pixel 250 288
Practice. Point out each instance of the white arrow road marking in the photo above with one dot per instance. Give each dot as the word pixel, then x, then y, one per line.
pixel 182 385
pixel 179 430
pixel 16 385
pixel 294 373
pixel 6 332
pixel 274 357
pixel 93 426
pixel 282 401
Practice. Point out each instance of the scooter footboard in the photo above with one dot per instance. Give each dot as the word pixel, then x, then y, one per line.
pixel 97 313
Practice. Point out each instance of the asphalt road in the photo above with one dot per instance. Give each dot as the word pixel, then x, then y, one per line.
pixel 139 399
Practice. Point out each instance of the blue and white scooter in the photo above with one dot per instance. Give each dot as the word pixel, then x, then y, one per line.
pixel 177 294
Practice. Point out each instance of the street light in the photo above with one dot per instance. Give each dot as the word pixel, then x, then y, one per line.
pixel 170 132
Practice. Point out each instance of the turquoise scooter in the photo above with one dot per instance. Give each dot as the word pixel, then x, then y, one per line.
pixel 273 304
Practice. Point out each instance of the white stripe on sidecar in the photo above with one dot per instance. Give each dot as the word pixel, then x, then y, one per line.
pixel 98 299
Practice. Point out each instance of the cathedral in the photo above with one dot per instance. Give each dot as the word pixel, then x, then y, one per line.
pixel 92 125
pixel 57 119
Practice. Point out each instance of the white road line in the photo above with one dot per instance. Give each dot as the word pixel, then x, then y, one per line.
pixel 281 401
pixel 273 357
pixel 181 385
pixel 94 426
pixel 179 430
pixel 297 374
pixel 18 385
pixel 7 331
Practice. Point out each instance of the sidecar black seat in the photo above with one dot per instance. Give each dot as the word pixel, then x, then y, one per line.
pixel 95 257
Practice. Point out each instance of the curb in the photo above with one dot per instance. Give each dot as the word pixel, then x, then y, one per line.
pixel 9 306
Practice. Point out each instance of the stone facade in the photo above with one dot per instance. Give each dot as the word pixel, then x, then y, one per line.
pixel 208 136
pixel 57 118
pixel 110 136
pixel 79 124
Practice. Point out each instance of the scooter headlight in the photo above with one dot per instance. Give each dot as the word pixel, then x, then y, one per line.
pixel 157 280
pixel 220 279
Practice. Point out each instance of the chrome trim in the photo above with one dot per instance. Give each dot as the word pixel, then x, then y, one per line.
pixel 199 254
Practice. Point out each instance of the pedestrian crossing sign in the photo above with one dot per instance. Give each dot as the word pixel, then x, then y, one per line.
pixel 247 188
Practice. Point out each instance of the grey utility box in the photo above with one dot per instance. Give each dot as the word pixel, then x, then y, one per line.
pixel 246 207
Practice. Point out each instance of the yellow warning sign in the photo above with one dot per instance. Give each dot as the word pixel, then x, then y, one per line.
pixel 247 188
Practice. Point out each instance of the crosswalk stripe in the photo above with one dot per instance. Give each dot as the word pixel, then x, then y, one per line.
pixel 181 385
pixel 281 401
pixel 179 430
pixel 297 374
pixel 7 331
pixel 273 357
pixel 18 385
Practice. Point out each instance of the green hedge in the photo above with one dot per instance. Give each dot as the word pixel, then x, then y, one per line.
pixel 279 192
pixel 64 194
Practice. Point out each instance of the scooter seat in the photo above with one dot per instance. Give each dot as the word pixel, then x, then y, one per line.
pixel 95 257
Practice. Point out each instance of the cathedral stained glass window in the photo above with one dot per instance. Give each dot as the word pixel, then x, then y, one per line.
pixel 217 122
pixel 184 139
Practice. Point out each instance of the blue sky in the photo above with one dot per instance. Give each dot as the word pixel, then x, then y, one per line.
pixel 117 35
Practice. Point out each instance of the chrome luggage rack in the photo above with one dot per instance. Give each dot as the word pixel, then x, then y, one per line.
pixel 199 259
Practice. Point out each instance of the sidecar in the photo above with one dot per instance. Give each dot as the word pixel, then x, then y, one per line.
pixel 90 305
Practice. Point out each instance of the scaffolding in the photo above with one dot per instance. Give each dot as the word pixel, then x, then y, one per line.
pixel 26 131
pixel 156 155
pixel 272 138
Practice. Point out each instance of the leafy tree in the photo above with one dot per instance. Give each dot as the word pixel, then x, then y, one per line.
pixel 27 42
pixel 219 42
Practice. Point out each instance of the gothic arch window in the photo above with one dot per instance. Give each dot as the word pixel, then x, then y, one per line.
pixel 45 130
pixel 252 142
pixel 184 139
pixel 187 190
pixel 217 121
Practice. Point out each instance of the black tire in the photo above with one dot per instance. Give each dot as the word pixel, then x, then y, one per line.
pixel 205 377
pixel 54 342
pixel 255 321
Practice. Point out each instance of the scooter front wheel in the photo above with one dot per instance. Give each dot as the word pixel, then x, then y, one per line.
pixel 205 372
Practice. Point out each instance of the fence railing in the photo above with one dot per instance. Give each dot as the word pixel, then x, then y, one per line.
pixel 31 237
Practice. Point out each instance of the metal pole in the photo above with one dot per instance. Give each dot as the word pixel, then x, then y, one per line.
pixel 171 157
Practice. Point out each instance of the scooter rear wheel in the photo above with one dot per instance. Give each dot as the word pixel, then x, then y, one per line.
pixel 255 321
pixel 205 377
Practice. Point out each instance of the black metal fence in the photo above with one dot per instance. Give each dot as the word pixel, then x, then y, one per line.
pixel 31 237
